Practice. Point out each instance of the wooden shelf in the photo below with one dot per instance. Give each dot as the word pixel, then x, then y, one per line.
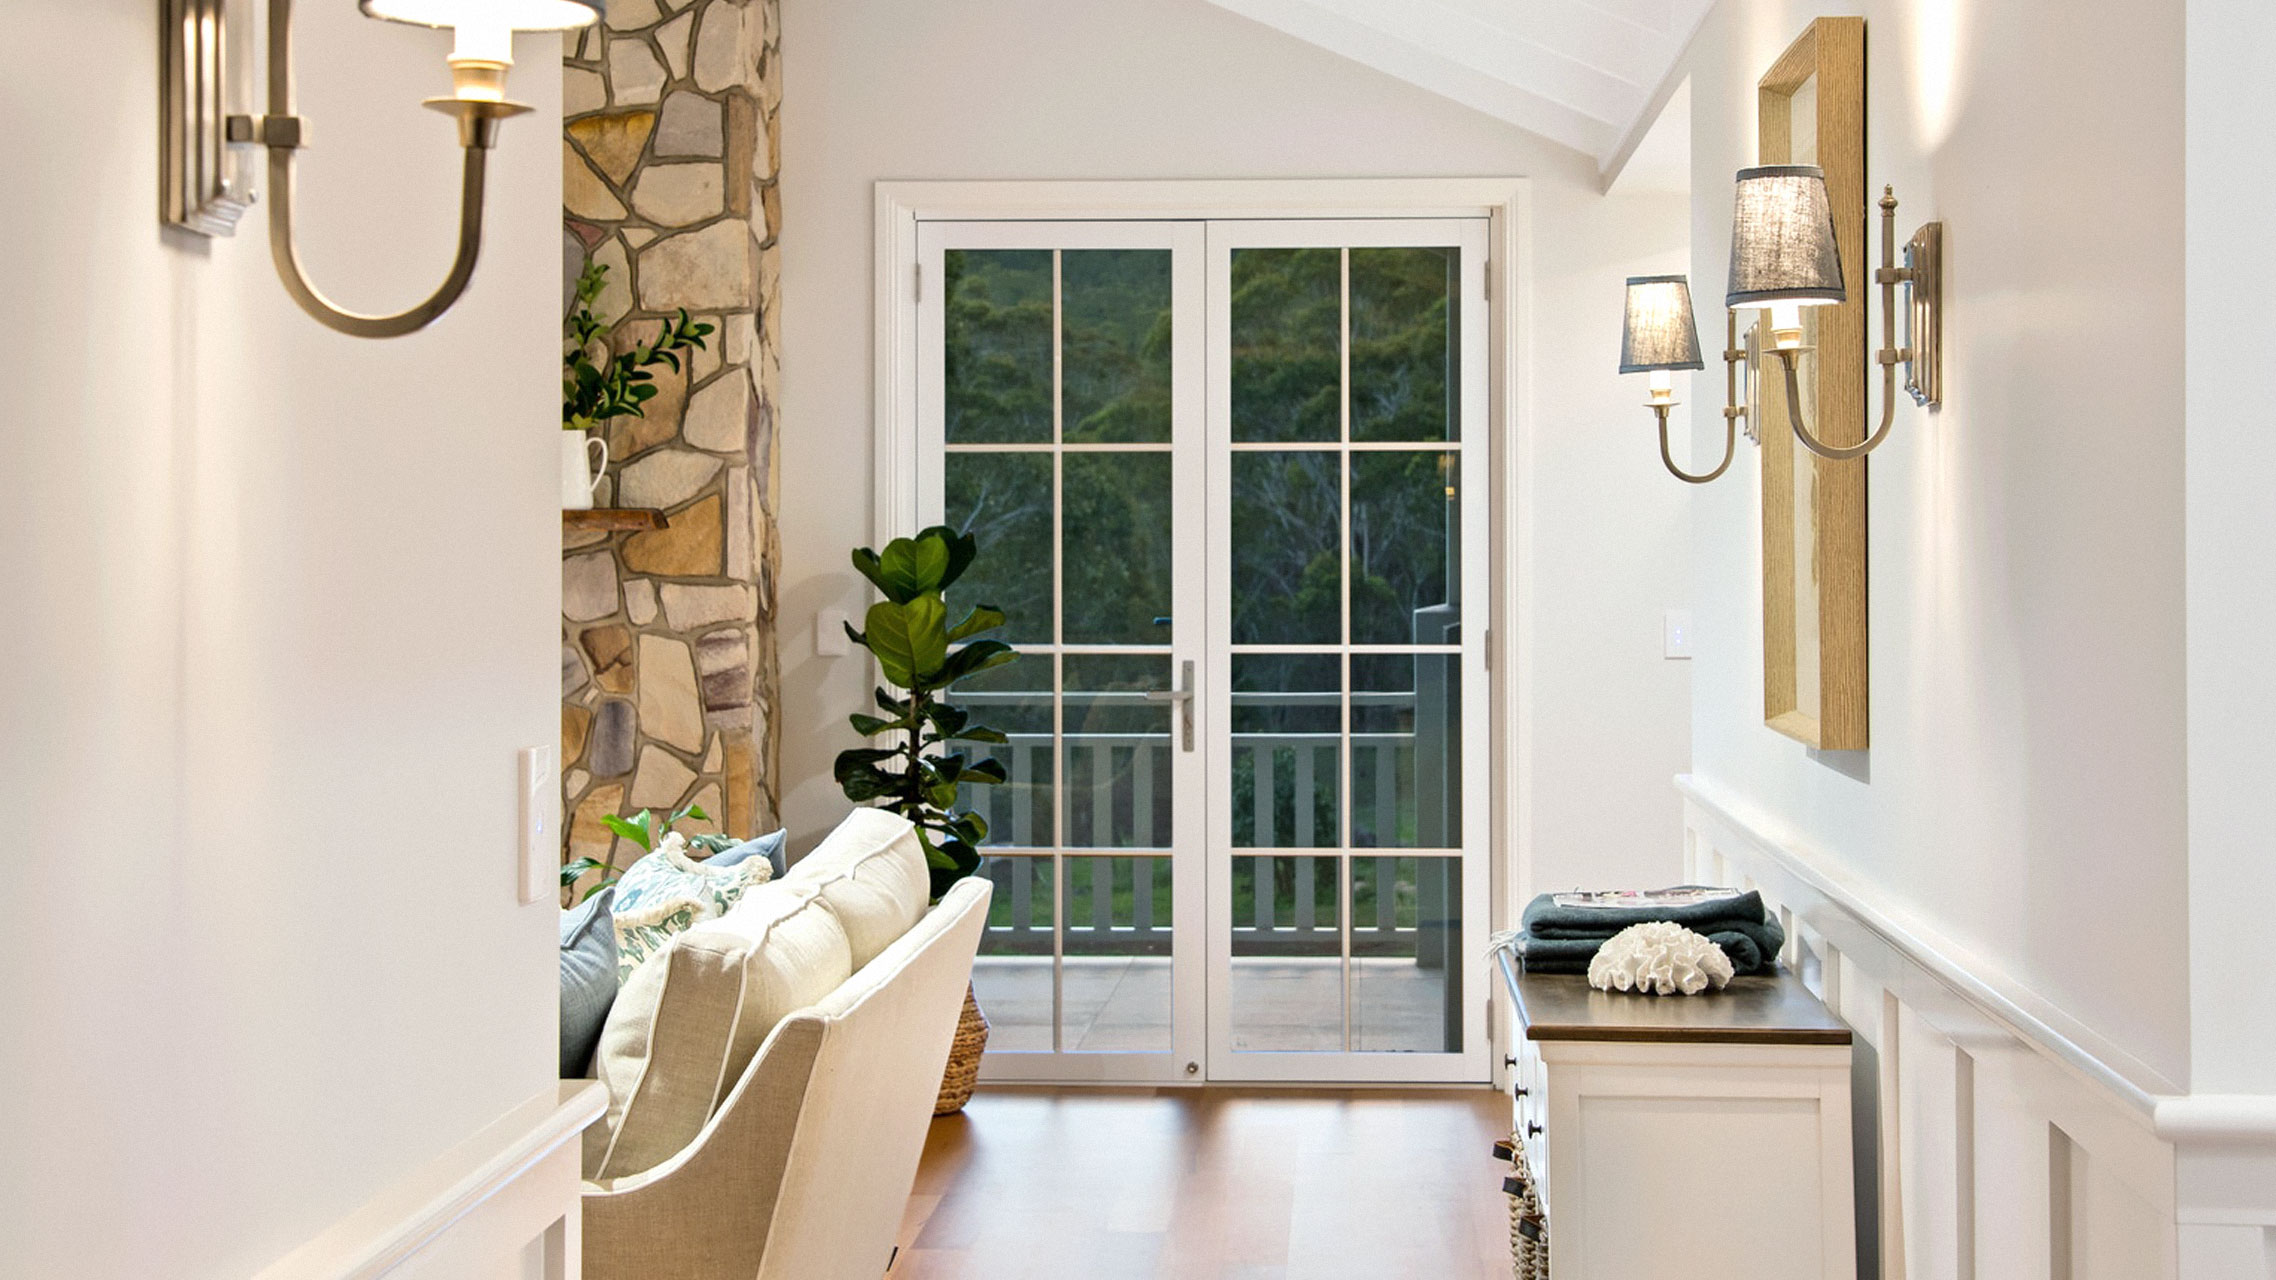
pixel 611 520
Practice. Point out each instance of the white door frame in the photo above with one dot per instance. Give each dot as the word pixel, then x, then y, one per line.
pixel 1505 202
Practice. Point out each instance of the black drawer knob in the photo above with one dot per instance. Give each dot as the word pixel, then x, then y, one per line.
pixel 1532 1130
pixel 1521 1092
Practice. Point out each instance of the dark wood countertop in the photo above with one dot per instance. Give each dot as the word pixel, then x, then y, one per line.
pixel 1776 1009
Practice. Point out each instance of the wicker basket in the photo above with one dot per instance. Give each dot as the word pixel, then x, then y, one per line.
pixel 963 1057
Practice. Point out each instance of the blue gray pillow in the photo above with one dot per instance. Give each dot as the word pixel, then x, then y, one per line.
pixel 773 847
pixel 588 979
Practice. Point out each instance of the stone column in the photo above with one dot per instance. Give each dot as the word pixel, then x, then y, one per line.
pixel 668 670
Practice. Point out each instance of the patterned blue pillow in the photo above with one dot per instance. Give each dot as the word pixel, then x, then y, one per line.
pixel 588 979
pixel 774 847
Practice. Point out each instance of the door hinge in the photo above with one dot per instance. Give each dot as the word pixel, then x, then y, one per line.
pixel 917 282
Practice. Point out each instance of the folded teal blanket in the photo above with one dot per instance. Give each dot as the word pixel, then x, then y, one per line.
pixel 1563 939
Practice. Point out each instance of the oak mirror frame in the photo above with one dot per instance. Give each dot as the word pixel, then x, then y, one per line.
pixel 1814 642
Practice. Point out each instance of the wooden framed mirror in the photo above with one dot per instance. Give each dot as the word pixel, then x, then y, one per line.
pixel 1814 649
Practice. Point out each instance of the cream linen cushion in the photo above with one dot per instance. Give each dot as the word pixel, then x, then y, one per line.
pixel 872 873
pixel 689 1021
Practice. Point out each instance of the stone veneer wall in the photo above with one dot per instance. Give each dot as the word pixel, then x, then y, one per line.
pixel 668 671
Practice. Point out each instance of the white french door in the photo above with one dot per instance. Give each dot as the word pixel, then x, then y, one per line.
pixel 1228 480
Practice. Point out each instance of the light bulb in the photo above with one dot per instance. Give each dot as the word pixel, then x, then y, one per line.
pixel 479 61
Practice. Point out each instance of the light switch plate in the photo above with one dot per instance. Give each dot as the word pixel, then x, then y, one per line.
pixel 540 810
pixel 1678 639
pixel 830 639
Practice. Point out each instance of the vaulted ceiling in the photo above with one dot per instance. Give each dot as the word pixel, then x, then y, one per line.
pixel 1585 73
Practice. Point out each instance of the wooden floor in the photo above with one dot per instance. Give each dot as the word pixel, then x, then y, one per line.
pixel 1212 1184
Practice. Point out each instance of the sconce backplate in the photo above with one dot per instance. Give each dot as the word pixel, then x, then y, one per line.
pixel 1924 311
pixel 203 187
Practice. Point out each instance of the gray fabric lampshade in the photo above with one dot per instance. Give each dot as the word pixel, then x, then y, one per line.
pixel 1782 246
pixel 1659 332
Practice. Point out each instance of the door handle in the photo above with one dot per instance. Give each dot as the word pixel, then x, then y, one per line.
pixel 1183 697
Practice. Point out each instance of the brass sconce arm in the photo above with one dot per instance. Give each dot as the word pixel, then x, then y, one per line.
pixel 281 132
pixel 1730 447
pixel 1920 277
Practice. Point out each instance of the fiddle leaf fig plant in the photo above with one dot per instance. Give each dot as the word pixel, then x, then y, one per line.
pixel 922 773
pixel 592 392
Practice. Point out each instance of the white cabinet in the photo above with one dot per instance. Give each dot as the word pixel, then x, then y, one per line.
pixel 1697 1136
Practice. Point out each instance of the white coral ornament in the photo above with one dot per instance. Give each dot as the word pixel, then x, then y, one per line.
pixel 1659 958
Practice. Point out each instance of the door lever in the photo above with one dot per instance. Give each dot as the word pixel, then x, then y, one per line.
pixel 1183 697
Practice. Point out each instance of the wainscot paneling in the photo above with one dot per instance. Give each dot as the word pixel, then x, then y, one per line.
pixel 1990 1144
pixel 505 1203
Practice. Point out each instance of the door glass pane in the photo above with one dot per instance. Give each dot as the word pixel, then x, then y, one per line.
pixel 1117 967
pixel 1404 371
pixel 1406 961
pixel 997 314
pixel 1287 339
pixel 1118 752
pixel 1404 552
pixel 1287 954
pixel 1004 499
pixel 1287 750
pixel 1013 975
pixel 1287 517
pixel 1015 699
pixel 1406 750
pixel 1115 362
pixel 1117 547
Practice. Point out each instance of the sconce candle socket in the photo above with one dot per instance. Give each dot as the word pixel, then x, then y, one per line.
pixel 1783 258
pixel 196 127
pixel 1659 335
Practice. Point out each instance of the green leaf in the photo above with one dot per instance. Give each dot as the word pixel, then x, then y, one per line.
pixel 912 567
pixel 871 726
pixel 974 658
pixel 910 639
pixel 636 834
pixel 572 872
pixel 983 618
pixel 986 771
pixel 867 563
pixel 962 549
pixel 978 733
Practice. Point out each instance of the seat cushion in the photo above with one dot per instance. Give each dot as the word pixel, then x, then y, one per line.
pixel 688 1022
pixel 588 979
pixel 872 872
pixel 668 891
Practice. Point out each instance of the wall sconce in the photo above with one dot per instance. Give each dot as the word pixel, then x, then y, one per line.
pixel 1783 259
pixel 1659 336
pixel 204 193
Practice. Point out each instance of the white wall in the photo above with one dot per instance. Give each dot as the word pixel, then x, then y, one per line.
pixel 281 607
pixel 1042 89
pixel 2232 528
pixel 2024 796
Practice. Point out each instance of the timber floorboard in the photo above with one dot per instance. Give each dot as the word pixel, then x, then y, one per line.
pixel 1211 1184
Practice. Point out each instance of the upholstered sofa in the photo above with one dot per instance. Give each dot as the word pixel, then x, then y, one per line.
pixel 785 1151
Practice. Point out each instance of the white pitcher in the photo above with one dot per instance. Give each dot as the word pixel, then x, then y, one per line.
pixel 581 472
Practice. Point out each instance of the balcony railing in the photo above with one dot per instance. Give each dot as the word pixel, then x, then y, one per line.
pixel 1115 788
